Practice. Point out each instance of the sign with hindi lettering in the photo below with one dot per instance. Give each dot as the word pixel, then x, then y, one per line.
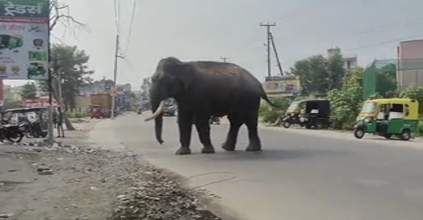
pixel 24 36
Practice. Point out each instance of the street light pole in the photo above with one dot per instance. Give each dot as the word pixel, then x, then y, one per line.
pixel 114 91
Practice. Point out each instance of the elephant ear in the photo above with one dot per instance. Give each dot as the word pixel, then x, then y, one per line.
pixel 181 70
pixel 186 75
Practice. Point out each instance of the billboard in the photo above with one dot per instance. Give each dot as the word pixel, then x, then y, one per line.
pixel 288 86
pixel 24 36
pixel 40 102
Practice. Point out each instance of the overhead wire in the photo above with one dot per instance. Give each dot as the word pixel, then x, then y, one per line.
pixel 384 42
pixel 131 25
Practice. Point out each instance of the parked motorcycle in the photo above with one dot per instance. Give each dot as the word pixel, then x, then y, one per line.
pixel 11 132
pixel 215 120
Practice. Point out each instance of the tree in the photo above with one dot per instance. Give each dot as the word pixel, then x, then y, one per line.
pixel 145 88
pixel 10 103
pixel 346 102
pixel 414 92
pixel 71 64
pixel 386 83
pixel 29 91
pixel 319 75
pixel 59 13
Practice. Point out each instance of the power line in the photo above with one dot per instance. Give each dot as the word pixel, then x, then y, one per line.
pixel 131 24
pixel 385 42
pixel 224 59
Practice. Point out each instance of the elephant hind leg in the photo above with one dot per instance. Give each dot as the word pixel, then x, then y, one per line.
pixel 231 139
pixel 252 122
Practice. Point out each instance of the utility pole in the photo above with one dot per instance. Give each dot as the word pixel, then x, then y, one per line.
pixel 224 59
pixel 59 86
pixel 269 70
pixel 276 54
pixel 114 91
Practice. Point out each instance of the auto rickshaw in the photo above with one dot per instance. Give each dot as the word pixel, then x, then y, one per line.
pixel 36 119
pixel 388 117
pixel 309 113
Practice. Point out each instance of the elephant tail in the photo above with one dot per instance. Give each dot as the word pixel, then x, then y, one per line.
pixel 268 101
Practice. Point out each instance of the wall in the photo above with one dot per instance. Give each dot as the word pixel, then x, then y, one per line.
pixel 410 57
pixel 82 102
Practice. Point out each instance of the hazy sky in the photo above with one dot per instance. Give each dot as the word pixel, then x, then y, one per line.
pixel 208 30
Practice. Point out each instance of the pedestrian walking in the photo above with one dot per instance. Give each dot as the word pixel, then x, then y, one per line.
pixel 59 123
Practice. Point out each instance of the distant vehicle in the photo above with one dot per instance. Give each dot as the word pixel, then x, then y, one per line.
pixel 101 106
pixel 309 113
pixel 170 108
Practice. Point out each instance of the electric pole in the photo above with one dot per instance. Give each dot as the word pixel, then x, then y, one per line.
pixel 224 59
pixel 269 70
pixel 276 55
pixel 114 89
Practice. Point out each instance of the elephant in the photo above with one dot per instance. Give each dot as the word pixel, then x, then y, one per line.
pixel 202 89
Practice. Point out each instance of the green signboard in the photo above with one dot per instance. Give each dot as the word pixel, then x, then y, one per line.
pixel 24 37
pixel 24 8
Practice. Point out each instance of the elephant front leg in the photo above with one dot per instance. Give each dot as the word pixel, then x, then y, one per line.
pixel 203 128
pixel 185 129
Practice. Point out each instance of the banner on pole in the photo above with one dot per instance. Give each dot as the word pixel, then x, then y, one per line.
pixel 24 36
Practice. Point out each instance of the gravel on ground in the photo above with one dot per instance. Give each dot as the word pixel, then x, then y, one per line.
pixel 70 180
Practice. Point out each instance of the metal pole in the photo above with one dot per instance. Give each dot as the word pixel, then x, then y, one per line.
pixel 50 138
pixel 276 54
pixel 269 68
pixel 115 77
pixel 224 59
pixel 59 86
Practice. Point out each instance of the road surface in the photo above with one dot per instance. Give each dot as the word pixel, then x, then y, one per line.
pixel 299 175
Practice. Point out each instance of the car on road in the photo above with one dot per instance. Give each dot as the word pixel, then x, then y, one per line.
pixel 170 107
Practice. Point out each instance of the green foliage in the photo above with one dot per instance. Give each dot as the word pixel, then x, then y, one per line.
pixel 77 114
pixel 145 88
pixel 71 63
pixel 414 92
pixel 386 83
pixel 346 102
pixel 10 103
pixel 29 91
pixel 319 75
pixel 270 114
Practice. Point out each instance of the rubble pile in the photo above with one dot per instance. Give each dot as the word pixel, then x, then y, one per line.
pixel 39 146
pixel 156 197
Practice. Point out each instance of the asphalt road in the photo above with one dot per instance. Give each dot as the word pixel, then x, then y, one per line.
pixel 299 175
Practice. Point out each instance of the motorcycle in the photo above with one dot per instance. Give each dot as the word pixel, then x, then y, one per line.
pixel 11 132
pixel 214 119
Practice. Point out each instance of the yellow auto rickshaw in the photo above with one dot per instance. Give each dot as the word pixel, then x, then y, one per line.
pixel 388 117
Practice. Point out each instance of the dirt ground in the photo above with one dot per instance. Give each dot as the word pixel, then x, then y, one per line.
pixel 71 181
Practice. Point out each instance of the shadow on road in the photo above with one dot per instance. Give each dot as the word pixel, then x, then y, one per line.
pixel 282 154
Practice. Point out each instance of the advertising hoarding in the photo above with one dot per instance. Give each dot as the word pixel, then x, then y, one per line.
pixel 24 36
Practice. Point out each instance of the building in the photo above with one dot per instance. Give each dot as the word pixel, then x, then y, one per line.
pixel 98 87
pixel 124 87
pixel 410 63
pixel 350 62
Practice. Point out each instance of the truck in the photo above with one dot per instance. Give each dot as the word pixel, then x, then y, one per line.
pixel 101 105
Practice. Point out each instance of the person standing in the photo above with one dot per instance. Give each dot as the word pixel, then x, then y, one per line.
pixel 59 122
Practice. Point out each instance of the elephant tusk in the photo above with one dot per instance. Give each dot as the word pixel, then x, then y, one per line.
pixel 156 113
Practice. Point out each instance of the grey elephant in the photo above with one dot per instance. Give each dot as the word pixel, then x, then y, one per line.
pixel 202 89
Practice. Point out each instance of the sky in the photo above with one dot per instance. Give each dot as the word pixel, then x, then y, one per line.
pixel 208 30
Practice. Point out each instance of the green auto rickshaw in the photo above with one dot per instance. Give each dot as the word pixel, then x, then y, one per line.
pixel 388 117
